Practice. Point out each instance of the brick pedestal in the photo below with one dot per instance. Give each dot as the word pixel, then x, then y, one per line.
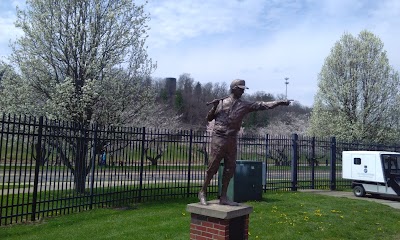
pixel 220 222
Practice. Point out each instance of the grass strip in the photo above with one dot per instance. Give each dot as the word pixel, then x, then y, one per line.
pixel 280 215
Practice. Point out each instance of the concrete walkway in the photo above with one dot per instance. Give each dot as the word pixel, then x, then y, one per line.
pixel 393 202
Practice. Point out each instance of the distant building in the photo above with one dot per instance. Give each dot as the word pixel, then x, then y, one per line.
pixel 170 86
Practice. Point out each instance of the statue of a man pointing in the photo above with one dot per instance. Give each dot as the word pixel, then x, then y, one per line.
pixel 228 114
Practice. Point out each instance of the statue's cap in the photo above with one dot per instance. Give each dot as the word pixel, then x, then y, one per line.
pixel 240 83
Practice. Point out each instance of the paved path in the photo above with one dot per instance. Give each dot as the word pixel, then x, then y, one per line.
pixel 393 202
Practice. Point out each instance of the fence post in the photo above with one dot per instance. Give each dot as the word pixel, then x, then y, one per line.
pixel 266 163
pixel 333 164
pixel 190 161
pixel 93 164
pixel 37 165
pixel 142 164
pixel 294 161
pixel 313 163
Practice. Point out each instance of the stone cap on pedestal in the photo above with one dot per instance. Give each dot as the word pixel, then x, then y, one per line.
pixel 215 210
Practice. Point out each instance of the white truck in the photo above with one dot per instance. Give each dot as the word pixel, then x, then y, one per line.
pixel 372 172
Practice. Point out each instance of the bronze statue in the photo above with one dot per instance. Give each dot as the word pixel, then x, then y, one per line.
pixel 228 114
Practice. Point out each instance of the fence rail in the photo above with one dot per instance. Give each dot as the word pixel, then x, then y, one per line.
pixel 54 167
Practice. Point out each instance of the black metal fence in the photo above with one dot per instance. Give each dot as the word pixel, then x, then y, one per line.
pixel 54 167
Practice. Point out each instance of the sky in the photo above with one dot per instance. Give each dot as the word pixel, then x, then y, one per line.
pixel 260 41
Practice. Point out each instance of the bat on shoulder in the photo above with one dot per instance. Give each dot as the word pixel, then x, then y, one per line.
pixel 216 100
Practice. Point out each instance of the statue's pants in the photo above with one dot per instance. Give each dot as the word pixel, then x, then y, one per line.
pixel 222 147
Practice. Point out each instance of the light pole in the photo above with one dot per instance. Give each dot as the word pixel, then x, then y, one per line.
pixel 286 82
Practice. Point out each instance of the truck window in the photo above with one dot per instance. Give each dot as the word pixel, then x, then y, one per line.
pixel 391 163
pixel 357 161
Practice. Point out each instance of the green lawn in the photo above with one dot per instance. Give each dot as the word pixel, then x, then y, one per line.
pixel 281 215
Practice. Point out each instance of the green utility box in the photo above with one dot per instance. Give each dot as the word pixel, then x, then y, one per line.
pixel 247 182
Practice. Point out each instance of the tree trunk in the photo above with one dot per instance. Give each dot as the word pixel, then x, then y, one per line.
pixel 40 154
pixel 81 170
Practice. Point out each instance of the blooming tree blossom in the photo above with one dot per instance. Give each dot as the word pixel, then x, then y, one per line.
pixel 357 96
pixel 70 60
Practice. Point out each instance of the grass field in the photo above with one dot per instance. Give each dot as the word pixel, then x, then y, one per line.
pixel 280 215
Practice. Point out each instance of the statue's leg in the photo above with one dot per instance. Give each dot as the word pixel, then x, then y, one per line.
pixel 226 177
pixel 213 166
pixel 229 171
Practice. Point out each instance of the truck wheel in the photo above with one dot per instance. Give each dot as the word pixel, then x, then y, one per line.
pixel 359 191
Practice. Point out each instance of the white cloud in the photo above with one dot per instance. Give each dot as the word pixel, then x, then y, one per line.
pixel 263 54
pixel 8 32
pixel 175 20
pixel 260 41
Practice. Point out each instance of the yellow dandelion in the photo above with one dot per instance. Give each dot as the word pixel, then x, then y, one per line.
pixel 318 213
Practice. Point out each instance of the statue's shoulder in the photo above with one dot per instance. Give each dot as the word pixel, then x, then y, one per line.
pixel 246 102
pixel 225 100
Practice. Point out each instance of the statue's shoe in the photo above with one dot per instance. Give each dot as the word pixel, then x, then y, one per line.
pixel 202 198
pixel 223 201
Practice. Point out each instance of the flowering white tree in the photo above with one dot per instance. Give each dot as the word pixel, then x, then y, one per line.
pixel 358 95
pixel 70 50
pixel 14 91
pixel 67 59
pixel 286 124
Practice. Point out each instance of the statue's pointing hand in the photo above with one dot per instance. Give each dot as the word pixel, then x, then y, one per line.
pixel 286 102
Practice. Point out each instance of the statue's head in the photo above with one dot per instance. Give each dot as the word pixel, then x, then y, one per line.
pixel 238 83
